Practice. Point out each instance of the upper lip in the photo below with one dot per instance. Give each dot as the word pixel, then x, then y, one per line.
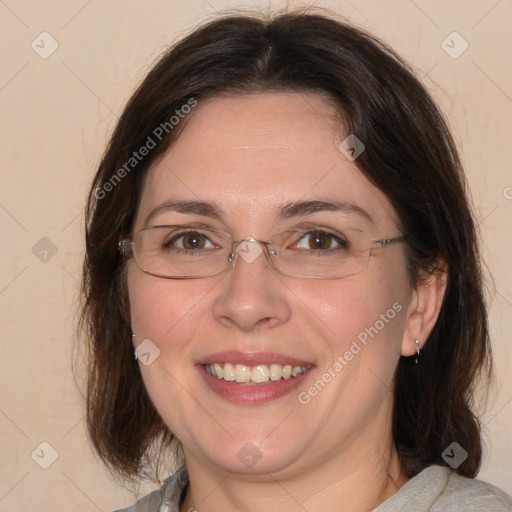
pixel 252 359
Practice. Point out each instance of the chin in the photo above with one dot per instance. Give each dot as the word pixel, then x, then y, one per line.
pixel 253 458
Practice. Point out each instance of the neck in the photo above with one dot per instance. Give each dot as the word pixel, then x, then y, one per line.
pixel 359 485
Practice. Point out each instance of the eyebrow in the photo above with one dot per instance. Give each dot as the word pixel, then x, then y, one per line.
pixel 287 211
pixel 203 208
pixel 301 208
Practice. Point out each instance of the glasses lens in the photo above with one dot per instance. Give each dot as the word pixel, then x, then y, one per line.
pixel 318 253
pixel 181 251
pixel 189 251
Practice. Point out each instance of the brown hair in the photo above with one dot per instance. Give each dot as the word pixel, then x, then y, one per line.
pixel 410 156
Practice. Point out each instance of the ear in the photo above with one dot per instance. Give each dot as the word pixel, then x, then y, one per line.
pixel 424 307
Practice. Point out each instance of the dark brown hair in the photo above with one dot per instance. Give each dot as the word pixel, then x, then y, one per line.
pixel 410 156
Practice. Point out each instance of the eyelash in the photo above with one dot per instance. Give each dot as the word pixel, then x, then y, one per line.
pixel 168 243
pixel 342 243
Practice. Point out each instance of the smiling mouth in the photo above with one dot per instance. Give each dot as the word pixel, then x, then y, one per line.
pixel 257 374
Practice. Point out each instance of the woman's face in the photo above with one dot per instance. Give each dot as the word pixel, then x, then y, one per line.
pixel 261 161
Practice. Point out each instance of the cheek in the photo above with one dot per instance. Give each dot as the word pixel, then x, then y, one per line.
pixel 166 311
pixel 152 311
pixel 363 320
pixel 354 308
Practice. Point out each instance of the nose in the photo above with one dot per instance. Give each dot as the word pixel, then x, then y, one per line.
pixel 251 295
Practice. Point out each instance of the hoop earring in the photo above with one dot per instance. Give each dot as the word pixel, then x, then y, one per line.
pixel 417 350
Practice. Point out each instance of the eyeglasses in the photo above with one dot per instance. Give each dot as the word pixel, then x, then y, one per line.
pixel 190 252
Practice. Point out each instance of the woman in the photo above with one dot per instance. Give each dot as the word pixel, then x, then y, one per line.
pixel 282 285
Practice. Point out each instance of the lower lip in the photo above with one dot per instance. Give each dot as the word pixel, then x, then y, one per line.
pixel 243 393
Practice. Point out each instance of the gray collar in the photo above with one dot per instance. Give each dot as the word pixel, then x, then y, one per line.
pixel 173 491
pixel 417 495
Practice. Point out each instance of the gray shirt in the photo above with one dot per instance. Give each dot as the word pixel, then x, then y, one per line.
pixel 435 489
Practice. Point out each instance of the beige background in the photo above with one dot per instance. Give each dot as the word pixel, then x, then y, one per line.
pixel 56 115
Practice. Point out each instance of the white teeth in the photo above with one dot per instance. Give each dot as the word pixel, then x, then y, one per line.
pixel 296 370
pixel 258 374
pixel 242 373
pixel 287 371
pixel 276 371
pixel 218 371
pixel 229 372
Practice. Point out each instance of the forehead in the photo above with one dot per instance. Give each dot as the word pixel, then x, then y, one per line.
pixel 252 154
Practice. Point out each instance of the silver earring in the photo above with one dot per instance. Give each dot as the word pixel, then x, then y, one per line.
pixel 135 351
pixel 417 350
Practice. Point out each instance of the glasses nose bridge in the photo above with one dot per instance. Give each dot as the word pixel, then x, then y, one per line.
pixel 249 252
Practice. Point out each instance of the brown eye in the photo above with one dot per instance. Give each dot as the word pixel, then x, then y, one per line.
pixel 321 241
pixel 318 240
pixel 188 241
pixel 193 241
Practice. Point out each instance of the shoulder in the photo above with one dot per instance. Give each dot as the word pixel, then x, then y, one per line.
pixel 471 495
pixel 440 489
